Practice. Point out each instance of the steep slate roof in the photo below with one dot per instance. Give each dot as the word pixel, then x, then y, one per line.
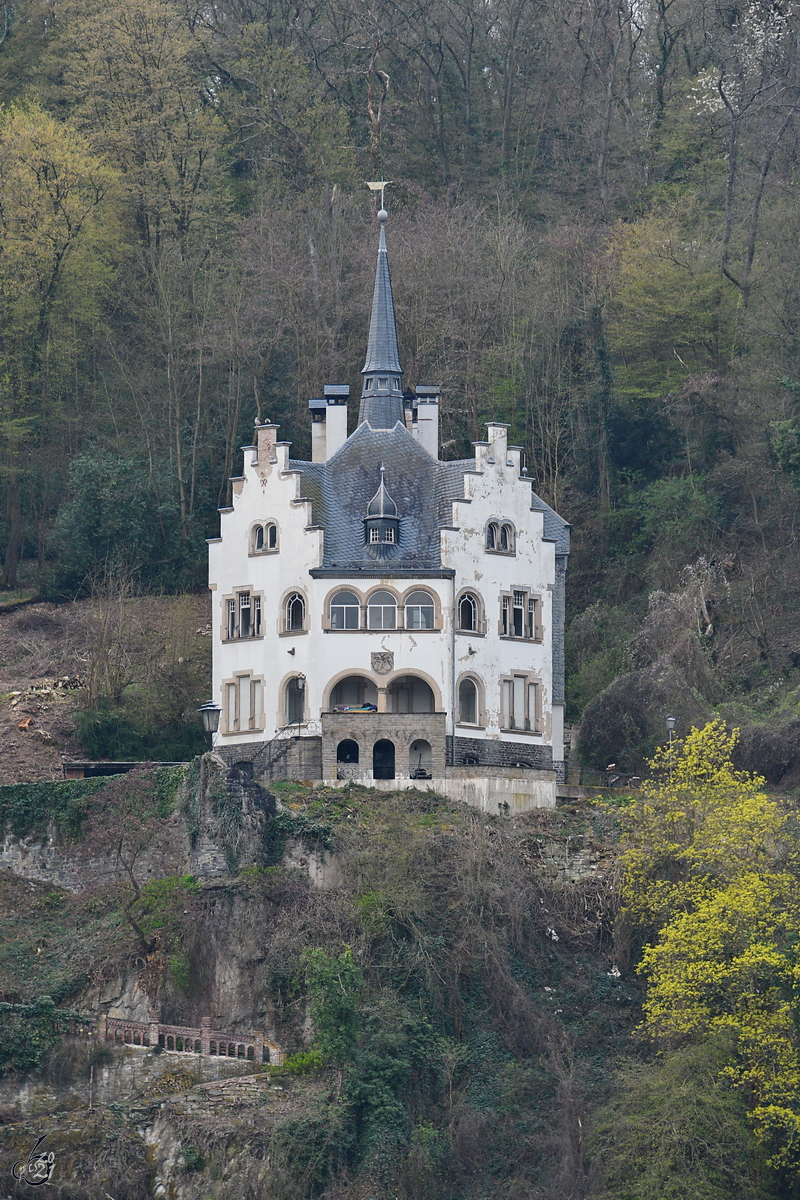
pixel 342 488
pixel 556 529
pixel 383 353
pixel 382 407
pixel 423 489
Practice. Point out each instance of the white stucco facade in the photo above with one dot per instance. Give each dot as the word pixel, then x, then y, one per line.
pixel 404 613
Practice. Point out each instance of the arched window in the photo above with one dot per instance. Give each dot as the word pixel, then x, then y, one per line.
pixel 382 611
pixel 295 700
pixel 258 537
pixel 295 613
pixel 420 611
pixel 347 751
pixel 500 537
pixel 468 702
pixel 345 611
pixel 468 613
pixel 383 759
pixel 272 537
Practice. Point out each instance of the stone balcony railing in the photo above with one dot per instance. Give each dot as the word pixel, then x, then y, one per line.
pixel 185 1039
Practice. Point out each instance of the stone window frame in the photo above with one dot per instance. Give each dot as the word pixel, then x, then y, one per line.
pixel 437 609
pixel 400 598
pixel 256 720
pixel 265 548
pixel 507 597
pixel 326 609
pixel 480 700
pixel 497 529
pixel 283 613
pixel 398 609
pixel 256 608
pixel 480 613
pixel 532 725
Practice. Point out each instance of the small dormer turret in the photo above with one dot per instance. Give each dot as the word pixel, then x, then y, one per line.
pixel 382 523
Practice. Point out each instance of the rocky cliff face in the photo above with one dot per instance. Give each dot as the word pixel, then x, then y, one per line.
pixel 476 940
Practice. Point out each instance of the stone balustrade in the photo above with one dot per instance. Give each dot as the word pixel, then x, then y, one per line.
pixel 187 1040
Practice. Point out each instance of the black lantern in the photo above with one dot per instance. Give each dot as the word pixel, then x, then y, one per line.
pixel 209 713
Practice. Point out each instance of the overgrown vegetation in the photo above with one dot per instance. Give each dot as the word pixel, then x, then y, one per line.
pixel 484 1017
pixel 29 807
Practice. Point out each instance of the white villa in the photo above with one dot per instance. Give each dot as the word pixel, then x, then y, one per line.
pixel 383 616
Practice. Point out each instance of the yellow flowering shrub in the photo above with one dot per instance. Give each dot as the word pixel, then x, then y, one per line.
pixel 705 875
pixel 697 823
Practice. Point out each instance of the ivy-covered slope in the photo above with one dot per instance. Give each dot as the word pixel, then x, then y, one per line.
pixel 456 1012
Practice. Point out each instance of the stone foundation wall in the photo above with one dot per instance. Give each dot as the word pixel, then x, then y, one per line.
pixel 291 758
pixel 489 752
pixel 365 729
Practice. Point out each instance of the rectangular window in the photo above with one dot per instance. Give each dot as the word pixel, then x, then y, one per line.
pixel 519 611
pixel 533 707
pixel 521 616
pixel 256 720
pixel 507 704
pixel 244 614
pixel 245 713
pixel 374 535
pixel 388 536
pixel 518 704
pixel 244 704
pixel 519 699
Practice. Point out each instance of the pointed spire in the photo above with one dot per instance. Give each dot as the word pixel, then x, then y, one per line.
pixel 382 397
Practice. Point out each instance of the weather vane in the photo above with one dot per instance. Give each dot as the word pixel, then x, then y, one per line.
pixel 379 186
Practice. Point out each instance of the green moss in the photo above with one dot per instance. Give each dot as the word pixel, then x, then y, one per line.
pixel 29 807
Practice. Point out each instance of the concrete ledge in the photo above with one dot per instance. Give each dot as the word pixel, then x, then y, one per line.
pixel 504 791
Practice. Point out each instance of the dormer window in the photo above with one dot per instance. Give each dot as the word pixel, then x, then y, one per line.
pixel 381 524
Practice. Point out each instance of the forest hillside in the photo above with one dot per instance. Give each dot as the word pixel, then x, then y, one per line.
pixel 593 236
pixel 592 1002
